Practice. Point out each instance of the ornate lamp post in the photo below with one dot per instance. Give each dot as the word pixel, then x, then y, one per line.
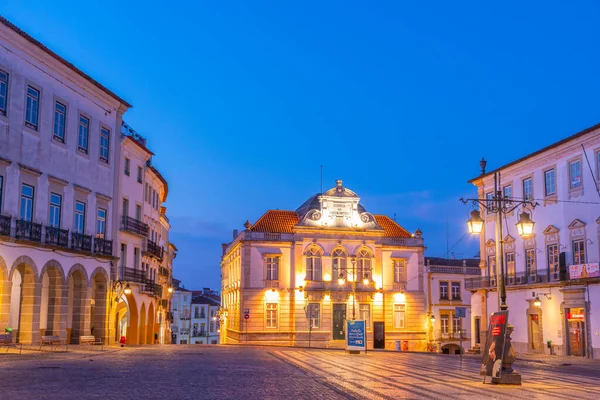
pixel 500 205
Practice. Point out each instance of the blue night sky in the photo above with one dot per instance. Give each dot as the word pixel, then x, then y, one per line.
pixel 243 101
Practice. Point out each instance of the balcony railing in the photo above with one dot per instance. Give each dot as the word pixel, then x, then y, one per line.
pixel 162 271
pixel 198 333
pixel 154 249
pixel 4 225
pixel 133 225
pixel 534 277
pixel 454 270
pixel 28 230
pixel 134 275
pixel 57 236
pixel 103 246
pixel 154 289
pixel 81 242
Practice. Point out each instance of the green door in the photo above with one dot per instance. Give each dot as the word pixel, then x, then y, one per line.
pixel 339 316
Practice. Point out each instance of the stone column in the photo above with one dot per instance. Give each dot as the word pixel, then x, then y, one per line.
pixel 63 291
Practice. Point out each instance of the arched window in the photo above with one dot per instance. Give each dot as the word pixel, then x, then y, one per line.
pixel 313 264
pixel 363 265
pixel 339 257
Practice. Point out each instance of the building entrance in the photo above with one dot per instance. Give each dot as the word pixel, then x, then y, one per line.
pixel 339 316
pixel 576 327
pixel 535 333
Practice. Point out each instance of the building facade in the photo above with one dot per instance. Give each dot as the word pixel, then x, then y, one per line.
pixel 195 317
pixel 295 276
pixel 552 278
pixel 446 291
pixel 59 150
pixel 145 253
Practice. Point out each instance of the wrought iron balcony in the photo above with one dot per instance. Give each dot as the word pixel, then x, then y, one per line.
pixel 81 242
pixel 28 230
pixel 199 333
pixel 153 288
pixel 4 225
pixel 153 250
pixel 103 246
pixel 134 275
pixel 57 236
pixel 134 226
pixel 162 271
pixel 522 278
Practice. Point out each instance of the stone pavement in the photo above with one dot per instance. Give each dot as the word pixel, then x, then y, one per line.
pixel 240 372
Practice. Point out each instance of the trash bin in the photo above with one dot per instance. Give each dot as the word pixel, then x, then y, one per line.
pixel 405 345
pixel 397 345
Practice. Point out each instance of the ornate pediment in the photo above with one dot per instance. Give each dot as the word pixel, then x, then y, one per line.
pixel 550 230
pixel 577 223
pixel 490 243
pixel 508 239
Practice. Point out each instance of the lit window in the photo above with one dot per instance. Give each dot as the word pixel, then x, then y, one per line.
pixel 33 106
pixel 399 271
pixel 271 315
pixel 510 264
pixel 553 264
pixel 443 290
pixel 363 265
pixel 60 116
pixel 101 223
pixel 444 322
pixel 578 252
pixel 313 265
pixel 530 261
pixel 399 316
pixel 492 266
pixel 339 258
pixel 456 325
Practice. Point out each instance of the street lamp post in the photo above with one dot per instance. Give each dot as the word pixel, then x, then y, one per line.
pixel 353 261
pixel 500 205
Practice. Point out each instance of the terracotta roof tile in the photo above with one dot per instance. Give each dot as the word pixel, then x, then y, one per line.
pixel 276 221
pixel 392 229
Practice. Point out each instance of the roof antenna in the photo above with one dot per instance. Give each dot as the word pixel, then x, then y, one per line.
pixel 394 217
pixel 321 179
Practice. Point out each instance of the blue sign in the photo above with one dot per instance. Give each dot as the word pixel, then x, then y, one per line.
pixel 461 312
pixel 356 338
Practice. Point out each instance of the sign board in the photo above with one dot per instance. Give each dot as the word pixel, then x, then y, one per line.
pixel 576 314
pixel 340 209
pixel 582 271
pixel 246 311
pixel 246 316
pixel 491 363
pixel 461 312
pixel 356 338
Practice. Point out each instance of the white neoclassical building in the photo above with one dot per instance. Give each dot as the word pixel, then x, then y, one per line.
pixel 552 277
pixel 195 316
pixel 59 157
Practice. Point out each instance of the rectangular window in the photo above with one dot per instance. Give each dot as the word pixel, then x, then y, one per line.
pixel 123 255
pixel 138 212
pixel 139 174
pixel 492 266
pixel 510 264
pixel 33 107
pixel 598 165
pixel 527 189
pixel 60 117
pixel 445 322
pixel 553 265
pixel 79 217
pixel 313 269
pixel 272 268
pixel 530 262
pixel 490 199
pixel 104 144
pixel 101 223
pixel 578 252
pixel 508 193
pixel 455 290
pixel 399 268
pixel 127 166
pixel 146 193
pixel 365 314
pixel 549 182
pixel 3 92
pixel 271 315
pixel 27 202
pixel 443 290
pixel 136 257
pixel 84 132
pixel 575 173
pixel 399 316
pixel 456 325
pixel 55 210
pixel 125 207
pixel 314 315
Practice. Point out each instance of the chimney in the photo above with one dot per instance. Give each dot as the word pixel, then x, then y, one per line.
pixel 235 233
pixel 224 248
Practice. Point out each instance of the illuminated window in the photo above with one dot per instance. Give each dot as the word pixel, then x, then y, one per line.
pixel 399 316
pixel 399 271
pixel 553 265
pixel 510 264
pixel 578 252
pixel 445 323
pixel 363 265
pixel 272 266
pixel 313 265
pixel 271 315
pixel 456 325
pixel 530 261
pixel 339 258
pixel 365 314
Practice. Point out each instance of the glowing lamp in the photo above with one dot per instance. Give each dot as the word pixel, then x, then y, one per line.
pixel 475 223
pixel 537 302
pixel 127 289
pixel 525 225
pixel 400 298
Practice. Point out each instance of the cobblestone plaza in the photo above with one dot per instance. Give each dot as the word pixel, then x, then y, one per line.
pixel 235 372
